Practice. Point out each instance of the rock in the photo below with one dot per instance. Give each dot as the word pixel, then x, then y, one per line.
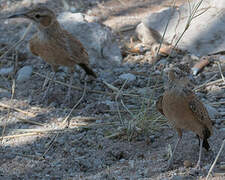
pixel 6 71
pixel 24 73
pixel 200 38
pixel 147 35
pixel 222 166
pixel 96 38
pixel 128 76
pixel 213 113
pixel 4 93
pixel 187 163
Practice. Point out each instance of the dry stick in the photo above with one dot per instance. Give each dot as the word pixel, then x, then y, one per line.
pixel 29 121
pixel 89 90
pixel 12 96
pixel 66 120
pixel 20 135
pixel 208 83
pixel 17 109
pixel 82 97
pixel 117 105
pixel 18 42
pixel 167 24
pixel 34 132
pixel 13 85
pixel 50 144
pixel 221 73
pixel 217 156
pixel 110 86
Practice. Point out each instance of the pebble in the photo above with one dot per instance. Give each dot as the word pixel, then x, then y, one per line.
pixel 4 93
pixel 24 74
pixel 213 113
pixel 222 166
pixel 128 76
pixel 6 71
pixel 187 163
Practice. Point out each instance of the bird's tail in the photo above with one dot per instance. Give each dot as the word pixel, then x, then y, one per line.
pixel 206 144
pixel 88 70
pixel 206 134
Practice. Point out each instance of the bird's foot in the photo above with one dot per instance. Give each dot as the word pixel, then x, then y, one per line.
pixel 169 165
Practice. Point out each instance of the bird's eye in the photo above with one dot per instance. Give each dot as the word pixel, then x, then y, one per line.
pixel 37 16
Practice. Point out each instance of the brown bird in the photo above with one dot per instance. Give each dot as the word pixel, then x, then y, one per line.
pixel 54 44
pixel 184 111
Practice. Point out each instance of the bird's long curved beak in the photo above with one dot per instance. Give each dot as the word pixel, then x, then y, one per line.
pixel 19 15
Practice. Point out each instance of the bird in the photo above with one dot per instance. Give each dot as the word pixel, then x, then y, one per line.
pixel 184 111
pixel 54 44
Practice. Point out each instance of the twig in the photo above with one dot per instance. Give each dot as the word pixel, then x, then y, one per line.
pixel 88 90
pixel 167 24
pixel 18 42
pixel 17 109
pixel 117 104
pixel 12 96
pixel 221 73
pixel 34 132
pixel 50 144
pixel 74 107
pixel 217 156
pixel 20 135
pixel 111 86
pixel 85 119
pixel 31 122
pixel 208 83
pixel 117 134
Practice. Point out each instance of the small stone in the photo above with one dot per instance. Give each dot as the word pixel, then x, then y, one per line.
pixel 128 77
pixel 6 71
pixel 187 163
pixel 222 166
pixel 24 74
pixel 4 93
pixel 73 9
pixel 213 113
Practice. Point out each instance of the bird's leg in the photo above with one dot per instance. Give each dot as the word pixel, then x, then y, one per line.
pixel 54 69
pixel 179 131
pixel 49 84
pixel 68 95
pixel 170 162
pixel 200 154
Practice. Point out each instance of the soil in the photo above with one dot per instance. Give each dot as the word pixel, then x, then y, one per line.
pixel 110 135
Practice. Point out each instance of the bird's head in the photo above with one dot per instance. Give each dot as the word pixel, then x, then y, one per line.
pixel 180 74
pixel 40 15
pixel 174 73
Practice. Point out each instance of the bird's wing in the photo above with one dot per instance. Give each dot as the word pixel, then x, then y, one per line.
pixel 33 45
pixel 76 50
pixel 159 105
pixel 199 111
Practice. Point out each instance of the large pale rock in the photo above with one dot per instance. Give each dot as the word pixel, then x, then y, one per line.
pixel 96 38
pixel 205 34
